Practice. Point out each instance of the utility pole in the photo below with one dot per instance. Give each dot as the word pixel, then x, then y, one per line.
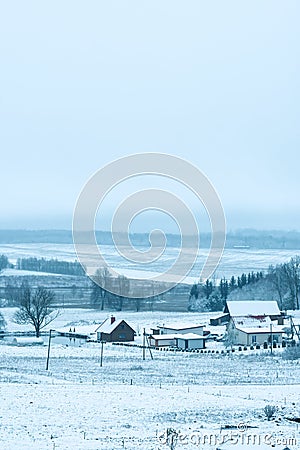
pixel 101 356
pixel 145 338
pixel 48 354
pixel 149 347
pixel 144 344
pixel 271 336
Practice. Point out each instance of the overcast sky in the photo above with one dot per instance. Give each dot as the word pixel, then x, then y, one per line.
pixel 85 82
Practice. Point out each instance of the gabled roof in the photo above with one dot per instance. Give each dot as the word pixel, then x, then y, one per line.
pixel 167 337
pixel 252 308
pixel 190 336
pixel 250 321
pixel 181 326
pixel 264 330
pixel 108 327
pixel 163 337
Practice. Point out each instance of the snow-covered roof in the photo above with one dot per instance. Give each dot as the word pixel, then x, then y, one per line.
pixel 250 321
pixel 189 336
pixel 180 326
pixel 252 308
pixel 167 337
pixel 256 330
pixel 108 327
pixel 164 337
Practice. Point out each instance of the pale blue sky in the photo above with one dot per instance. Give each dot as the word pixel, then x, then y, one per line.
pixel 85 82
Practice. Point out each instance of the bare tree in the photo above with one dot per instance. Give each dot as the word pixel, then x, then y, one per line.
pixel 278 279
pixel 35 308
pixel 101 283
pixel 2 322
pixel 292 273
pixel 123 285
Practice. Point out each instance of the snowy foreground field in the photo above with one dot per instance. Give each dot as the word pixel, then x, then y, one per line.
pixel 214 401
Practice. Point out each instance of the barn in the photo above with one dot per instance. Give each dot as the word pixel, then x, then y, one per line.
pixel 112 330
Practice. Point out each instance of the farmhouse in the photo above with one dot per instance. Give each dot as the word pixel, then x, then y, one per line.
pixel 112 330
pixel 254 322
pixel 248 307
pixel 248 331
pixel 253 308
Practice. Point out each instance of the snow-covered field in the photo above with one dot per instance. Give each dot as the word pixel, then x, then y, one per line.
pixel 128 403
pixel 233 262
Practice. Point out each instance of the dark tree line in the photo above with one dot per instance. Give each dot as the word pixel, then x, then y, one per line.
pixel 213 296
pixel 4 262
pixel 50 266
pixel 283 280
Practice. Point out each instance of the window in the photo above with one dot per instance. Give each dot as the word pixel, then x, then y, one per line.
pixel 122 336
pixel 253 339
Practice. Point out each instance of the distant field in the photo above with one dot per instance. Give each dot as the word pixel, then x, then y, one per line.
pixel 234 261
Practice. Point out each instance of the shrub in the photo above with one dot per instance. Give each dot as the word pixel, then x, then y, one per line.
pixel 291 353
pixel 257 346
pixel 265 345
pixel 269 411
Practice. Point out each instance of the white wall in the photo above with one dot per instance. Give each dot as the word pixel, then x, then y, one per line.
pixel 192 343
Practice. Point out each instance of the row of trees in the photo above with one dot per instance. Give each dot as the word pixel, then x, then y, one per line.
pixel 102 298
pixel 4 262
pixel 213 295
pixel 50 266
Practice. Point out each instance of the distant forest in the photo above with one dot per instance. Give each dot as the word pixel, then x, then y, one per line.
pixel 50 266
pixel 280 283
pixel 246 238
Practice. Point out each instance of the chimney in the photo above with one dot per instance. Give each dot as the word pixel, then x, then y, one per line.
pixel 112 319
